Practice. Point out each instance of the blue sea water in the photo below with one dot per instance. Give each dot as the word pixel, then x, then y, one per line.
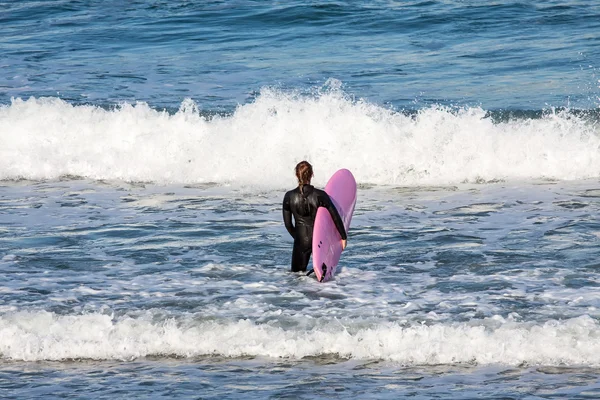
pixel 145 148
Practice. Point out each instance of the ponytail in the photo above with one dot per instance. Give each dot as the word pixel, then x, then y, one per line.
pixel 304 173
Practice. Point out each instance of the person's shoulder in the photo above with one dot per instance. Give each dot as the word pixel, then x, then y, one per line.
pixel 291 192
pixel 320 192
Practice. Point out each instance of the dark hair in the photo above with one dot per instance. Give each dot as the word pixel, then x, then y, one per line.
pixel 304 173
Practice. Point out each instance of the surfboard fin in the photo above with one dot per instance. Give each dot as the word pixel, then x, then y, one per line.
pixel 324 268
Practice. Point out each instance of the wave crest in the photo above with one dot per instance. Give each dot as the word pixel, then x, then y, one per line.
pixel 261 142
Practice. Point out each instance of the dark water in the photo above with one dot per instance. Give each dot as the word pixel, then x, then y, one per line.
pixel 504 54
pixel 218 379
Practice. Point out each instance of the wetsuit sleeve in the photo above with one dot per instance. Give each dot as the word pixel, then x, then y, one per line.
pixel 325 201
pixel 287 216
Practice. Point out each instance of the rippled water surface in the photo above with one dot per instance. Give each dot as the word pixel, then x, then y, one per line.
pixel 506 54
pixel 441 289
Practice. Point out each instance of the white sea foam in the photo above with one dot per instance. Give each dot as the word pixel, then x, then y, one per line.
pixel 45 336
pixel 261 142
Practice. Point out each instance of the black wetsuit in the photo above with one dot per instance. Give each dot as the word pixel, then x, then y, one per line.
pixel 303 205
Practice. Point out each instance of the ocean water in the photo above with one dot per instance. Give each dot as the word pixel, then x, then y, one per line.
pixel 145 148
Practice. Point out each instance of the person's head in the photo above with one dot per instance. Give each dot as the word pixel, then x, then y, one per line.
pixel 304 173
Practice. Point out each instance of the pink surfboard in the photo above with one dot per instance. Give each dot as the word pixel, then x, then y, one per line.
pixel 327 242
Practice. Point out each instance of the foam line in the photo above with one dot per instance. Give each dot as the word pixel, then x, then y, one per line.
pixel 33 336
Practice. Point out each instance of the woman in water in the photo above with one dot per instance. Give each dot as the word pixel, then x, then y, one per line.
pixel 302 203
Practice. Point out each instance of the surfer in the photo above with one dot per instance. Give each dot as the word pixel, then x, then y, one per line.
pixel 302 203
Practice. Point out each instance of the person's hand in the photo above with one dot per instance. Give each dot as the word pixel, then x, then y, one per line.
pixel 343 244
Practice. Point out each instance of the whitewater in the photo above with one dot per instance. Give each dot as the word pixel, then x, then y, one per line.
pixel 47 138
pixel 44 336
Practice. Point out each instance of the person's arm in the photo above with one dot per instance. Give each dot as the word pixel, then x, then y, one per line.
pixel 326 202
pixel 287 216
